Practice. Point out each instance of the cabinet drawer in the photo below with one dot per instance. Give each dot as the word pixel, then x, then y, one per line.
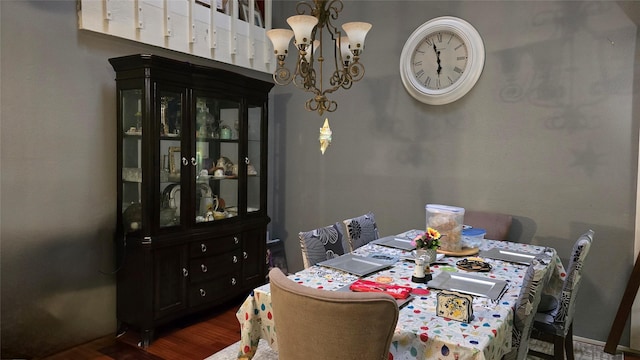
pixel 211 290
pixel 212 266
pixel 214 246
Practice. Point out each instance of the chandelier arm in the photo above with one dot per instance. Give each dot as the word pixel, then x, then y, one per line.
pixel 309 68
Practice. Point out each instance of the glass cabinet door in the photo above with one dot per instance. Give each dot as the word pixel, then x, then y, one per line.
pixel 217 154
pixel 169 125
pixel 252 161
pixel 131 107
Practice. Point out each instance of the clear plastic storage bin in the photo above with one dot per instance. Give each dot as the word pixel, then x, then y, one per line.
pixel 448 221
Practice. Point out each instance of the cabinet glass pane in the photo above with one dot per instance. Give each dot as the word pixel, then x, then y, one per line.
pixel 254 173
pixel 131 107
pixel 217 150
pixel 170 159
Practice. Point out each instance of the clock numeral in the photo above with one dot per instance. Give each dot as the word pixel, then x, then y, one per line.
pixel 439 36
pixel 438 83
pixel 450 80
pixel 451 38
pixel 419 74
pixel 428 81
pixel 458 70
pixel 458 47
pixel 428 41
pixel 461 58
pixel 417 63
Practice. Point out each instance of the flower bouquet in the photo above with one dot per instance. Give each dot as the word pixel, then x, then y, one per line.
pixel 427 240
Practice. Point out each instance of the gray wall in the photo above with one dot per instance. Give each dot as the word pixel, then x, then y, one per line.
pixel 548 134
pixel 58 176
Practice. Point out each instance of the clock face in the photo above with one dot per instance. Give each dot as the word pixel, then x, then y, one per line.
pixel 439 60
pixel 442 60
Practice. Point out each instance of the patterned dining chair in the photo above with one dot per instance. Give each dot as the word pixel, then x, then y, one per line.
pixel 322 244
pixel 497 225
pixel 361 230
pixel 314 324
pixel 554 324
pixel 534 281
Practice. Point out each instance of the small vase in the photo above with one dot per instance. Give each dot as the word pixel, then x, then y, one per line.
pixel 429 255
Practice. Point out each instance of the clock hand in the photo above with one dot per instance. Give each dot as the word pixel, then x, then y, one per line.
pixel 438 56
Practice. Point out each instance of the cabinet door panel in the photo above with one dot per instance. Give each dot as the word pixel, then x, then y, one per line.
pixel 170 280
pixel 254 257
pixel 217 150
pixel 169 165
pixel 255 173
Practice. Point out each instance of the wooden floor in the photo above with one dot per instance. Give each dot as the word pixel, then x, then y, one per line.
pixel 196 339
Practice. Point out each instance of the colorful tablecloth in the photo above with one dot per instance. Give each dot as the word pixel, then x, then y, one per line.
pixel 419 334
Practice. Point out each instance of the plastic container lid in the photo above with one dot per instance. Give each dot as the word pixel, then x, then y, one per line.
pixel 444 208
pixel 474 232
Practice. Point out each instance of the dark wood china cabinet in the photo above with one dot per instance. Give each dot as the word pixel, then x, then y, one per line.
pixel 192 166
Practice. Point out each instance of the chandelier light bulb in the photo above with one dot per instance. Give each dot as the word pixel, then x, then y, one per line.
pixel 344 49
pixel 316 45
pixel 280 39
pixel 302 26
pixel 356 31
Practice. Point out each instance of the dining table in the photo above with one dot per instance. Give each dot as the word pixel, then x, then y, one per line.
pixel 420 333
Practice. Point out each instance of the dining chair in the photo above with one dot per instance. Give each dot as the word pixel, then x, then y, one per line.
pixel 316 324
pixel 554 323
pixel 535 279
pixel 361 230
pixel 497 225
pixel 322 244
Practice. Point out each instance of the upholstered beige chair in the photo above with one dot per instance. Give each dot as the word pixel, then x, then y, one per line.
pixel 361 230
pixel 315 324
pixel 554 319
pixel 497 225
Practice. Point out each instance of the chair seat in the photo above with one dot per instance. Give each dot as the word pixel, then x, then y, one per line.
pixel 544 322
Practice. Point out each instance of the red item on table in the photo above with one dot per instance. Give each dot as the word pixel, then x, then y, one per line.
pixel 397 291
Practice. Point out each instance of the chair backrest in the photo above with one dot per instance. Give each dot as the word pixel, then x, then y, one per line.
pixel 497 225
pixel 563 314
pixel 322 244
pixel 533 283
pixel 317 324
pixel 361 230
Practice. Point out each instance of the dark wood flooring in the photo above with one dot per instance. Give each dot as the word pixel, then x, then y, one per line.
pixel 195 338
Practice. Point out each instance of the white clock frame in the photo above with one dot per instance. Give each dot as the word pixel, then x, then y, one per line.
pixel 475 62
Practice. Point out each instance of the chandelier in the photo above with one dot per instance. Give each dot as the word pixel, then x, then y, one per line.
pixel 308 32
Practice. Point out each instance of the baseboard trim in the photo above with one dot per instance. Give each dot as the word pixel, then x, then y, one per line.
pixel 619 348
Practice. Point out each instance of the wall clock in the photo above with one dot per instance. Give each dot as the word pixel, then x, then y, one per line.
pixel 442 60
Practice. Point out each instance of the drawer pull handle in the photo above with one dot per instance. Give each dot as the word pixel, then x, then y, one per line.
pixel 204 268
pixel 245 255
pixel 203 293
pixel 235 240
pixel 203 247
pixel 233 281
pixel 185 272
pixel 193 161
pixel 185 162
pixel 235 259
